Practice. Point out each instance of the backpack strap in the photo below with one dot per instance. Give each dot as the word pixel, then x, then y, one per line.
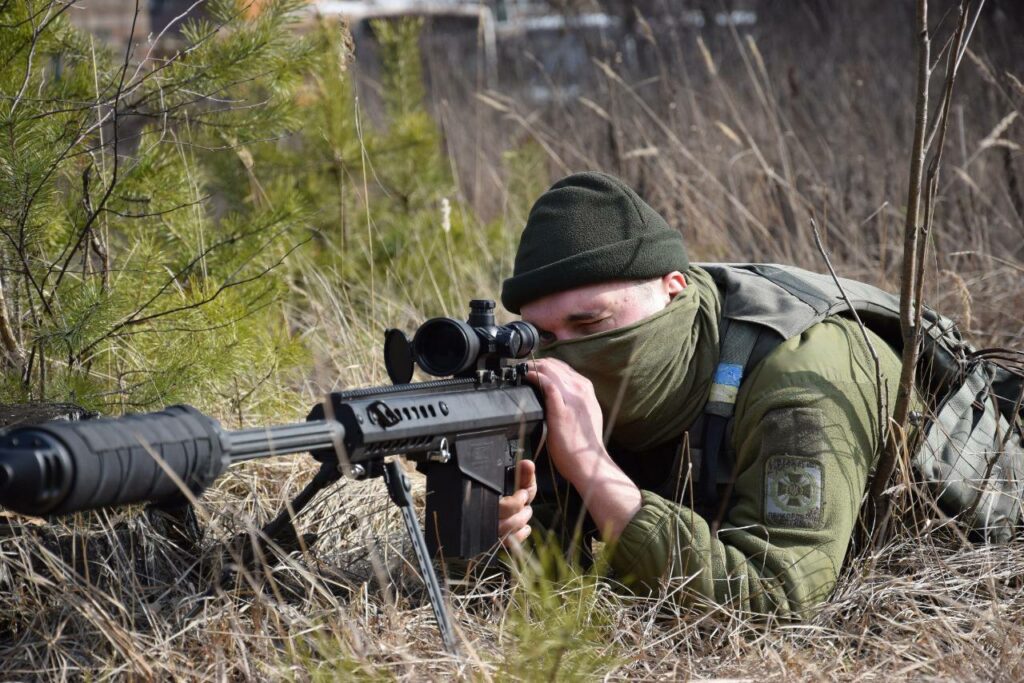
pixel 743 345
pixel 737 345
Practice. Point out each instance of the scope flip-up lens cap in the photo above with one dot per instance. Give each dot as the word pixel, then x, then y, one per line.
pixel 398 356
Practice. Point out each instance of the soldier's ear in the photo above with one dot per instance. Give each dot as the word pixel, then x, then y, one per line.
pixel 673 283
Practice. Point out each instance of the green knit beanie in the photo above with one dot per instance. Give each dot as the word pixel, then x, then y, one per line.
pixel 589 228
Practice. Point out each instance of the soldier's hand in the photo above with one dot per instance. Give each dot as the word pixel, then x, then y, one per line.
pixel 514 512
pixel 575 423
pixel 575 444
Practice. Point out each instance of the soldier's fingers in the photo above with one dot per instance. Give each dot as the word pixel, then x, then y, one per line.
pixel 560 374
pixel 515 522
pixel 553 364
pixel 528 478
pixel 568 381
pixel 549 367
pixel 510 505
pixel 561 370
pixel 514 542
pixel 552 395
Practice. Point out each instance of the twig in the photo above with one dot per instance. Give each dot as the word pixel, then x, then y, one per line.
pixel 87 228
pixel 135 319
pixel 14 351
pixel 883 396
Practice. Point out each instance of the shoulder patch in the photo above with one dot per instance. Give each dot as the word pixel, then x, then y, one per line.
pixel 793 431
pixel 794 484
pixel 793 492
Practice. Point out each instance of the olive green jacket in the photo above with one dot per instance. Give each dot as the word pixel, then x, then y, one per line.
pixel 806 436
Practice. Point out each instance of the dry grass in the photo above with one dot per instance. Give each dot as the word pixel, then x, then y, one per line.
pixel 138 608
pixel 738 140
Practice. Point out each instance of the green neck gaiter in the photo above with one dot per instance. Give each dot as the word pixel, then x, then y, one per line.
pixel 652 378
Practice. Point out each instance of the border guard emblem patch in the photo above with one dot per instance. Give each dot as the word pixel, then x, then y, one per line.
pixel 793 494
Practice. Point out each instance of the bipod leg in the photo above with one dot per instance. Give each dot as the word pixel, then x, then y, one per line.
pixel 280 530
pixel 398 489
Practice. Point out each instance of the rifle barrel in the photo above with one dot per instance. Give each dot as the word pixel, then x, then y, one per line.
pixel 302 437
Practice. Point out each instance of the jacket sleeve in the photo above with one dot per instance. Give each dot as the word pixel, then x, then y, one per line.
pixel 806 438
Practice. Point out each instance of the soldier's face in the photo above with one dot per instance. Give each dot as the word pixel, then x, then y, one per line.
pixel 600 307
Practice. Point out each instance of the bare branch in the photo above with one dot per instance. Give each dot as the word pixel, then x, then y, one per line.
pixel 911 229
pixel 920 213
pixel 14 351
pixel 136 317
pixel 85 230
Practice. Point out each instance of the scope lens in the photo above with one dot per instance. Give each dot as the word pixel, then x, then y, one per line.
pixel 443 347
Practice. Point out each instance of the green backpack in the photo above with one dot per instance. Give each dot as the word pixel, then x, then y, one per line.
pixel 971 454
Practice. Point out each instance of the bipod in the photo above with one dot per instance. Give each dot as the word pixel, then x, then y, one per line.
pixel 398 489
pixel 281 532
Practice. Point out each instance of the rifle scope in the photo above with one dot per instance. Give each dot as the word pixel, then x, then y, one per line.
pixel 445 347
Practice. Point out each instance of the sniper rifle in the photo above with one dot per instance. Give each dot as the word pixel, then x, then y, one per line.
pixel 465 433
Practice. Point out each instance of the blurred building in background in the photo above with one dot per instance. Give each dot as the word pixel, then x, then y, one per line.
pixel 116 21
pixel 604 65
pixel 525 46
pixel 112 20
pixel 168 13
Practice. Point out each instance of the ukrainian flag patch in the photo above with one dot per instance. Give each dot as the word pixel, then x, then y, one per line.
pixel 726 384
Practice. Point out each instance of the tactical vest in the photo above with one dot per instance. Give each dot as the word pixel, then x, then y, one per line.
pixel 971 453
